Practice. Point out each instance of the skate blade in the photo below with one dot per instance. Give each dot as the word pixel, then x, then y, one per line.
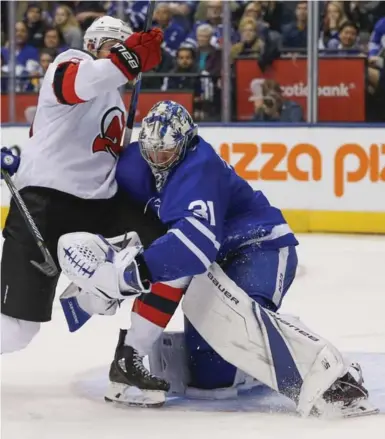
pixel 134 397
pixel 354 410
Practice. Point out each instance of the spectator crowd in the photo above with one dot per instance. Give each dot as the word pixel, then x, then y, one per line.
pixel 192 48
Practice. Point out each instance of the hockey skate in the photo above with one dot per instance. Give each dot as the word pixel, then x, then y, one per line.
pixel 130 382
pixel 346 398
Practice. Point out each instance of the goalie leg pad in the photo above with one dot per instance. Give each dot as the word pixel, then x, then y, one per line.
pixel 277 350
pixel 170 359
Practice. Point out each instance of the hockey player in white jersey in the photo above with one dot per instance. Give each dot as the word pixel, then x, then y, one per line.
pixel 66 174
pixel 241 257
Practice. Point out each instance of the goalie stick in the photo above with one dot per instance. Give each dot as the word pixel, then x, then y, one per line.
pixel 48 267
pixel 137 83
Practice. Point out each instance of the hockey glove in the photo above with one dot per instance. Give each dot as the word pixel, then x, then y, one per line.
pixel 9 161
pixel 141 52
pixel 94 265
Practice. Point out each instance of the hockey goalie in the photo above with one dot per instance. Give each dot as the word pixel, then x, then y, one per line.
pixel 231 256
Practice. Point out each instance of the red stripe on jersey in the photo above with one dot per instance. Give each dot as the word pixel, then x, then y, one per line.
pixel 151 314
pixel 167 292
pixel 68 84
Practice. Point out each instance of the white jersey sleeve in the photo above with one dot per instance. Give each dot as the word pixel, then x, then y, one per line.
pixel 78 77
pixel 77 129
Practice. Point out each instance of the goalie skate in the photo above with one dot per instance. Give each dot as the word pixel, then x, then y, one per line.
pixel 346 398
pixel 130 382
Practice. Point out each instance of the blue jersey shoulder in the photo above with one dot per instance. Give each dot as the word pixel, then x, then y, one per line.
pixel 195 181
pixel 133 174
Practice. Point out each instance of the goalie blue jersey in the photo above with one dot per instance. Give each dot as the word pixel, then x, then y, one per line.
pixel 209 210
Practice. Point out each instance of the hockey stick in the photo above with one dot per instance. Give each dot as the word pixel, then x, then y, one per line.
pixel 137 83
pixel 48 267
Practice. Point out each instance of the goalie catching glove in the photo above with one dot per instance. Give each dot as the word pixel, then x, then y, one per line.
pixel 141 52
pixel 98 267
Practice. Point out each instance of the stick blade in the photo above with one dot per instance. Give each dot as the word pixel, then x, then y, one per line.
pixel 46 268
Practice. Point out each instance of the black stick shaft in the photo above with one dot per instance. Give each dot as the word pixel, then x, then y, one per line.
pixel 138 81
pixel 48 267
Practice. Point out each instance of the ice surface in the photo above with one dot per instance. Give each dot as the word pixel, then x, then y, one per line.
pixel 53 389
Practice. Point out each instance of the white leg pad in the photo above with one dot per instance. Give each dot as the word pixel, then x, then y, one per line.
pixel 168 360
pixel 277 350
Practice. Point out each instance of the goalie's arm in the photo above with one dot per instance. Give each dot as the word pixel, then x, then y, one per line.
pixel 187 249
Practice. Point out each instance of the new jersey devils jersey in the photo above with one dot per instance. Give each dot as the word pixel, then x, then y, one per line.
pixel 76 133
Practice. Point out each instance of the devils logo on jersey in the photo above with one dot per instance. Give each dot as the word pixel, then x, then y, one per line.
pixel 111 130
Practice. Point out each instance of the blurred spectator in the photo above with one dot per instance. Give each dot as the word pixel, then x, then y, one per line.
pixel 27 58
pixel 213 17
pixel 182 12
pixel 207 106
pixel 185 63
pixel 173 33
pixel 273 107
pixel 294 35
pixel 254 10
pixel 35 24
pixel 377 41
pixel 46 58
pixel 376 71
pixel 4 20
pixel 365 13
pixel 208 57
pixel 67 24
pixel 155 83
pixel 3 77
pixel 53 39
pixel 134 11
pixel 272 14
pixel 334 19
pixel 183 8
pixel 250 45
pixel 357 13
pixel 347 43
pixel 86 12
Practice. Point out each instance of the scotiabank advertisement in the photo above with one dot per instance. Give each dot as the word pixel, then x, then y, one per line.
pixel 336 174
pixel 341 88
pixel 26 104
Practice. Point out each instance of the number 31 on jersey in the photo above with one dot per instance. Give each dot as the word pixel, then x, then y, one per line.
pixel 203 209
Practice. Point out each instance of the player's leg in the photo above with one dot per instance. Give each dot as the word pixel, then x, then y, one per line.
pixel 265 275
pixel 16 334
pixel 131 383
pixel 151 312
pixel 26 293
pixel 278 350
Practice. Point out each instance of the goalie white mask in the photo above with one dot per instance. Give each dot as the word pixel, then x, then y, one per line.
pixel 167 131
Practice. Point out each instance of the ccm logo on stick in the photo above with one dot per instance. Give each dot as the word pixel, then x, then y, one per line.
pixel 221 288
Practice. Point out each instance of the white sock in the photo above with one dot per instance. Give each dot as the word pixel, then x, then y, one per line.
pixel 142 335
